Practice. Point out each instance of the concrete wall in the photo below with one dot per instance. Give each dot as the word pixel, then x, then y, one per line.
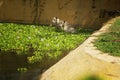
pixel 84 13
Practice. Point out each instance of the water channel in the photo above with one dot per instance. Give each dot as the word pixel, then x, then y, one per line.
pixel 13 67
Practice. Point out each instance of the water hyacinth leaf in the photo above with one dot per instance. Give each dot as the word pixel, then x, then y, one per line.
pixel 40 41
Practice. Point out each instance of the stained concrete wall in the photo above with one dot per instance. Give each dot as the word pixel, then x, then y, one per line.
pixel 84 13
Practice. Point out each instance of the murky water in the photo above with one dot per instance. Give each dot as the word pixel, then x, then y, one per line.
pixel 13 67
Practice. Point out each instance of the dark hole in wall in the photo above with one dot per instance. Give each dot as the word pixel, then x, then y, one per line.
pixel 109 13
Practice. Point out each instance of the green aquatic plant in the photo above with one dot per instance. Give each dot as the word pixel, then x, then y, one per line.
pixel 38 41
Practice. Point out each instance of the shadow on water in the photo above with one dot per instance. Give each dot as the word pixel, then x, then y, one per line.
pixel 10 63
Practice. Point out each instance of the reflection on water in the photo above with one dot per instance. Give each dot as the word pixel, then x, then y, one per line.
pixel 9 76
pixel 13 67
pixel 9 63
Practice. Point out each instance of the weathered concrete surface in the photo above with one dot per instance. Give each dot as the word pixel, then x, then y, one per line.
pixel 85 13
pixel 78 64
pixel 83 61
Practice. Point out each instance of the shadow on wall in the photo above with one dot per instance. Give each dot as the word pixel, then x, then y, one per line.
pixel 94 13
